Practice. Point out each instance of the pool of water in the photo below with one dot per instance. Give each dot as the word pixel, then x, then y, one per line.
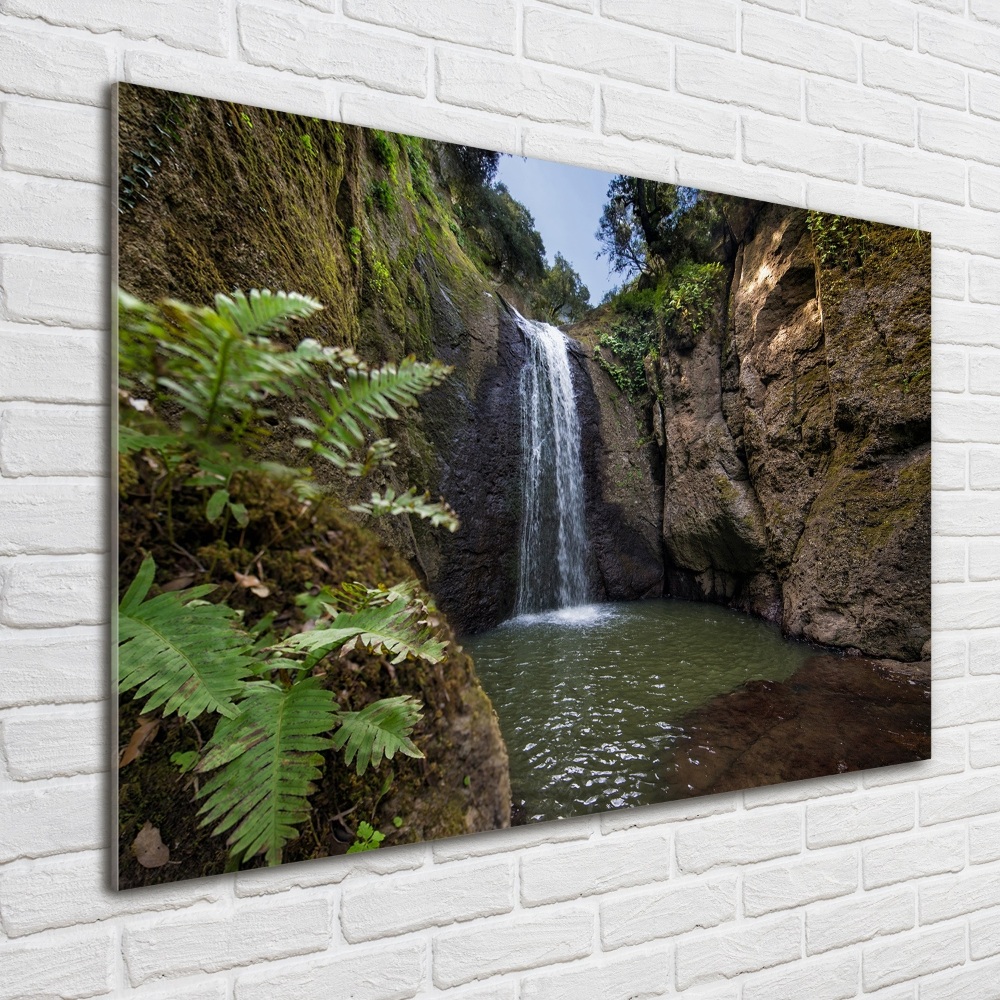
pixel 590 698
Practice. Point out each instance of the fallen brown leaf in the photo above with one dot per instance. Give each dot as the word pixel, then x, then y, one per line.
pixel 145 730
pixel 149 849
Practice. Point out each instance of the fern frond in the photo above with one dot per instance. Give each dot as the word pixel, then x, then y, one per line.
pixel 181 653
pixel 269 758
pixel 409 502
pixel 263 311
pixel 381 729
pixel 390 629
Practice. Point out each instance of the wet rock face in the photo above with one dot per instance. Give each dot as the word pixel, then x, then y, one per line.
pixel 797 439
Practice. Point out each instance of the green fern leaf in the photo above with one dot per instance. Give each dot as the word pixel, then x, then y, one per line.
pixel 381 729
pixel 390 629
pixel 409 502
pixel 263 311
pixel 181 653
pixel 269 758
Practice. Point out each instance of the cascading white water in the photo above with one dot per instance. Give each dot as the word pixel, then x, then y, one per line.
pixel 553 551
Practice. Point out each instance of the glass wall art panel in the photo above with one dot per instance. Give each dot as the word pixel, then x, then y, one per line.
pixel 459 491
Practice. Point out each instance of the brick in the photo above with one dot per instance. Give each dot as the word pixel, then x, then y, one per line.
pixel 738 178
pixel 51 518
pixel 596 47
pixel 53 141
pixel 398 114
pixel 46 591
pixel 63 215
pixel 948 467
pixel 904 958
pixel 799 44
pixel 487 24
pixel 383 973
pixel 55 743
pixel 711 22
pixel 984 468
pixel 224 80
pixel 889 22
pixel 664 813
pixel 949 369
pixel 585 5
pixel 70 968
pixel 756 944
pixel 965 229
pixel 862 817
pixel 46 440
pixel 77 69
pixel 511 945
pixel 984 936
pixel 686 125
pixel 828 979
pixel 49 667
pixel 966 514
pixel 189 24
pixel 959 799
pixel 858 202
pixel 516 839
pixel 668 911
pixel 64 366
pixel 984 187
pixel 984 653
pixel 978 413
pixel 512 88
pixel 738 840
pixel 948 272
pixel 51 817
pixel 860 918
pixel 952 6
pixel 784 886
pixel 958 42
pixel 947 560
pixel 961 323
pixel 949 656
pixel 431 899
pixel 640 159
pixel 984 561
pixel 979 981
pixel 984 95
pixel 904 859
pixel 732 80
pixel 958 135
pixel 205 991
pixel 946 897
pixel 979 602
pixel 800 791
pixel 902 73
pixel 985 10
pixel 965 702
pixel 548 876
pixel 799 148
pixel 856 109
pixel 252 933
pixel 321 47
pixel 787 6
pixel 55 288
pixel 639 975
pixel 917 174
pixel 984 280
pixel 63 892
pixel 948 758
pixel 329 871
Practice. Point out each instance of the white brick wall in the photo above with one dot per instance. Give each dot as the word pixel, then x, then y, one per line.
pixel 886 883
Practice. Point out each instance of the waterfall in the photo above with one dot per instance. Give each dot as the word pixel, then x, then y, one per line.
pixel 553 544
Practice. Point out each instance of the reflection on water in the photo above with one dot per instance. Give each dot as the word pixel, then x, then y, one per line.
pixel 589 698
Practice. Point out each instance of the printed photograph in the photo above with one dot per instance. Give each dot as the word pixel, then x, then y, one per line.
pixel 459 490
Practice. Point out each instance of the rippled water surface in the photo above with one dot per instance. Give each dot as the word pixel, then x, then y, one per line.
pixel 590 698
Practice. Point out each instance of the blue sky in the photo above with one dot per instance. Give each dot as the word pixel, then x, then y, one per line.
pixel 567 203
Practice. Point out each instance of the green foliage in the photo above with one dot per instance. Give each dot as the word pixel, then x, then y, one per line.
pixel 839 241
pixel 409 502
pixel 629 340
pixel 689 294
pixel 366 839
pixel 380 730
pixel 354 245
pixel 384 149
pixel 383 196
pixel 561 297
pixel 305 140
pixel 196 385
pixel 379 277
pixel 181 653
pixel 269 756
